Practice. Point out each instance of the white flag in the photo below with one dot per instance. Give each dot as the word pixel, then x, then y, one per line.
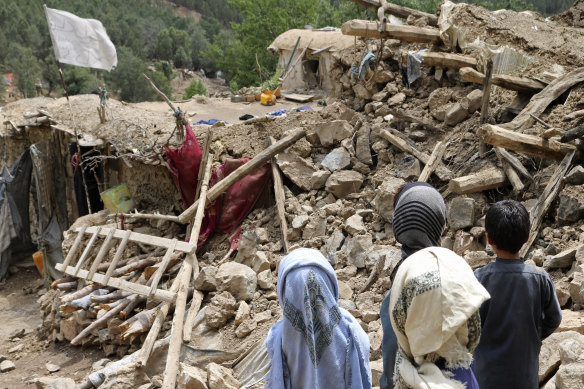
pixel 81 42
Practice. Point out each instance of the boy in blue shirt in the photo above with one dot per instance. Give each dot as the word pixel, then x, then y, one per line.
pixel 523 309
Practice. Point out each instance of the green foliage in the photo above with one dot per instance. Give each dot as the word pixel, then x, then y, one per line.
pixel 181 59
pixel 273 82
pixel 195 88
pixel 166 68
pixel 234 86
pixel 128 82
pixel 78 80
pixel 25 66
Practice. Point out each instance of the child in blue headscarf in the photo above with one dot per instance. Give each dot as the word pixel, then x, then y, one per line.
pixel 317 344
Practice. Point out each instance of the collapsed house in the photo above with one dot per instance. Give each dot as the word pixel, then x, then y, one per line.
pixel 412 107
pixel 309 56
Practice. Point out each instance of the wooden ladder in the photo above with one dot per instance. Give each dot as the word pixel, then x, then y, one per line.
pixel 152 291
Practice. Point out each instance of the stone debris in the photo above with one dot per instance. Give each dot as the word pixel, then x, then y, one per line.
pixel 7 365
pixel 220 377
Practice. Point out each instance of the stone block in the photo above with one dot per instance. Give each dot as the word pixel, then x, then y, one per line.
pixel 333 131
pixel 238 279
pixel 220 377
pixel 461 212
pixel 191 377
pixel 337 159
pixel 297 169
pixel 344 182
pixel 384 197
pixel 318 179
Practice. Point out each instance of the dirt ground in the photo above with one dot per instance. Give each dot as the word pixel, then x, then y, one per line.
pixel 19 310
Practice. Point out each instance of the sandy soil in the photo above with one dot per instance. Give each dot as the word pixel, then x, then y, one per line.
pixel 19 310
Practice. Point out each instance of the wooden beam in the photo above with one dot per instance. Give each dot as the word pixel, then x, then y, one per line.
pixel 519 84
pixel 513 161
pixel 574 115
pixel 523 143
pixel 433 162
pixel 398 10
pixel 195 304
pixel 102 252
pixel 142 238
pixel 543 99
pixel 87 250
pixel 393 137
pixel 176 335
pixel 117 255
pixel 203 166
pixel 162 268
pixel 511 174
pixel 118 283
pixel 367 29
pixel 574 133
pixel 478 182
pixel 243 171
pixel 447 60
pixel 280 201
pixel 545 200
pixel 75 247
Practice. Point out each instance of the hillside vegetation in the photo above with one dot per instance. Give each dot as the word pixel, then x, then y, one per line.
pixel 228 37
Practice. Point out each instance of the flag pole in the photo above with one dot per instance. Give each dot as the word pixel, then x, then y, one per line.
pixel 73 119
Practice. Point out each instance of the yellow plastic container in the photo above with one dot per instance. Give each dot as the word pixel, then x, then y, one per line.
pixel 118 199
pixel 268 98
pixel 38 261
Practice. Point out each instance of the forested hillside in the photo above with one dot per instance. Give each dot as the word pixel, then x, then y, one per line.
pixel 228 37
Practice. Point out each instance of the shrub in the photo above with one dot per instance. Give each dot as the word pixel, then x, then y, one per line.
pixel 195 88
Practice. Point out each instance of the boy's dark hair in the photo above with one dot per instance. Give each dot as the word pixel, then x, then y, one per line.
pixel 507 223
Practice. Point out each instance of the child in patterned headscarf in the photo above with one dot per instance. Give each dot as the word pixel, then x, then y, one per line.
pixel 317 344
pixel 430 317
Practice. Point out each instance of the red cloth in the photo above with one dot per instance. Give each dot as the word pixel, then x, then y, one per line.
pixel 227 212
pixel 184 163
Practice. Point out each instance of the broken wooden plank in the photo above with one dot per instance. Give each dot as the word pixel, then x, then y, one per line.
pixel 195 306
pixel 367 29
pixel 447 60
pixel 203 166
pixel 160 295
pixel 550 133
pixel 163 265
pixel 117 255
pixel 243 171
pixel 412 119
pixel 433 162
pixel 545 200
pixel 477 182
pixel 574 115
pixel 399 11
pixel 88 248
pixel 485 103
pixel 102 252
pixel 543 99
pixel 298 97
pixel 176 335
pixel 519 84
pixel 148 344
pixel 523 143
pixel 280 201
pixel 574 133
pixel 511 174
pixel 136 237
pixel 75 247
pixel 540 121
pixel 394 138
pixel 513 161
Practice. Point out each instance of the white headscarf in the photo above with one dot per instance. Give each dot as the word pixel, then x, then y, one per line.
pixel 434 312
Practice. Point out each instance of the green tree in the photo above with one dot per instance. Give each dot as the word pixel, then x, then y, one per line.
pixel 163 48
pixel 78 80
pixel 195 88
pixel 50 72
pixel 181 60
pixel 23 63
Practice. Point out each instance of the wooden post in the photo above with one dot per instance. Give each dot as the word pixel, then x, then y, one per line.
pixel 102 252
pixel 478 182
pixel 85 253
pixel 523 143
pixel 485 103
pixel 433 162
pixel 280 201
pixel 162 268
pixel 179 115
pixel 204 156
pixel 243 171
pixel 117 256
pixel 545 200
pixel 513 161
pixel 176 335
pixel 195 303
pixel 519 84
pixel 510 173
